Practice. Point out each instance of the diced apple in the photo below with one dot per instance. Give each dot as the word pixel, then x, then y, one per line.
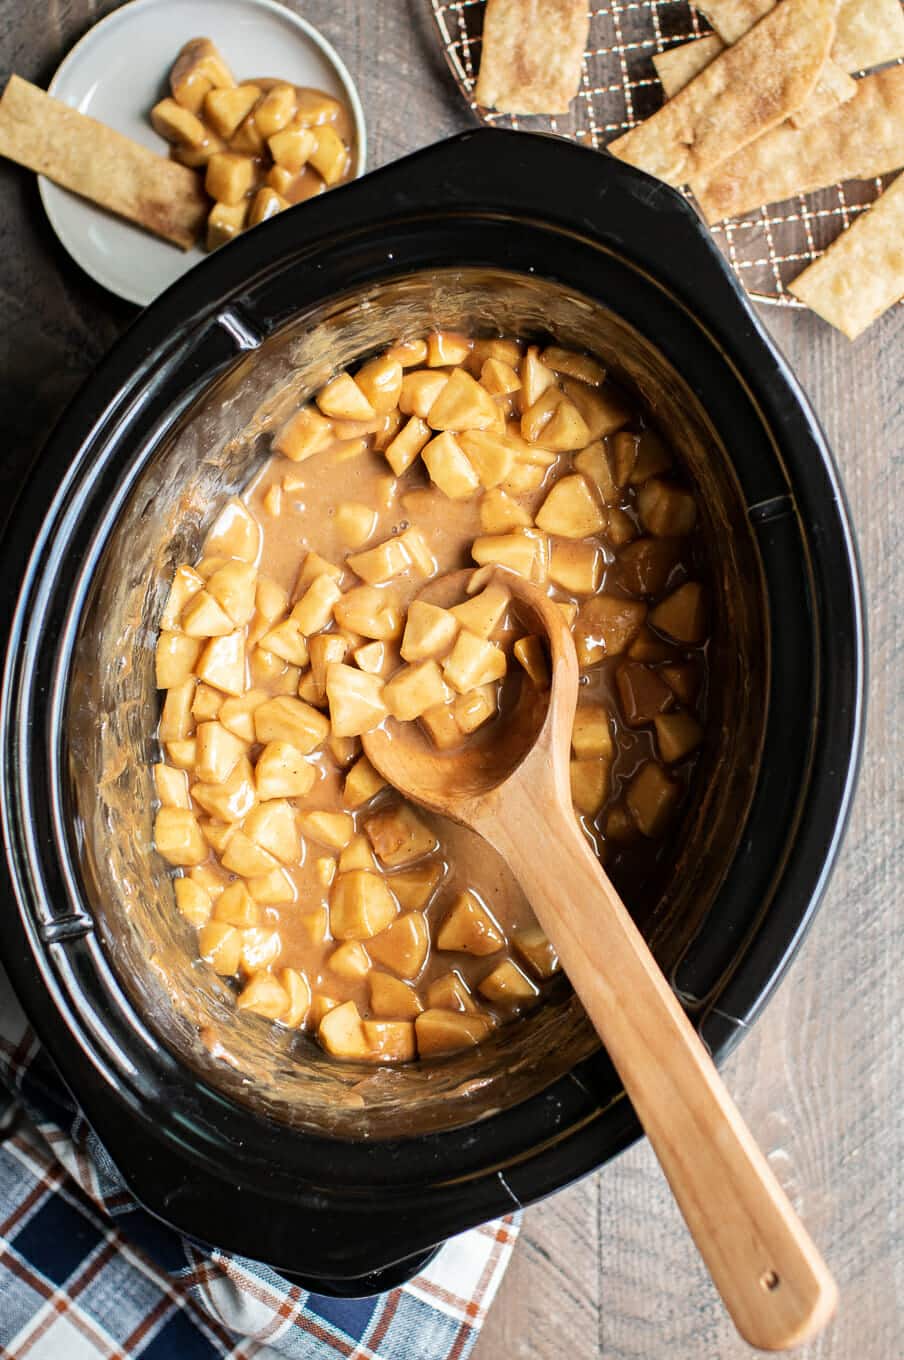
pixel 193 901
pixel 576 567
pixel 536 950
pixel 243 857
pixel 442 727
pixel 288 719
pixel 682 615
pixel 361 905
pixel 489 454
pixel 651 798
pixel 303 435
pixel 202 617
pixel 473 709
pixel 234 533
pixel 401 452
pixel 210 877
pixel 222 663
pixel 225 222
pixel 621 528
pixel 499 378
pixel 177 124
pixel 271 825
pixel 265 204
pixel 399 836
pixel 506 985
pixel 237 714
pixel 684 680
pixel 390 997
pixel 321 1005
pixel 229 177
pixel 182 753
pixel 220 945
pixel 605 626
pixel 591 734
pixel 420 389
pixel 499 513
pixel 665 510
pixel 571 510
pixel 224 109
pixel 362 783
pixel 589 785
pixel 330 155
pixel 217 834
pixel 178 838
pixel 275 109
pixel 567 430
pixel 176 720
pixel 175 658
pixel 272 890
pixel 287 641
pixel 313 107
pixel 647 646
pixel 602 409
pixel 349 961
pixel 233 799
pixel 324 649
pixel 261 947
pixel 186 583
pixel 370 612
pixel 524 552
pixel 450 992
pixel 381 563
pixel 413 690
pixel 644 566
pixel 357 855
pixel 377 658
pixel 334 829
pixel 462 404
pixel 419 551
pixel 469 927
pixel 343 399
pixel 531 653
pixel 536 377
pixel 380 379
pixel 314 610
pixel 642 693
pixel 355 523
pixel 574 365
pixel 206 704
pixel 449 467
pixel 403 945
pixel 218 752
pixel 536 417
pixel 282 772
pixel 415 887
pixel 677 734
pixel 298 990
pixel 442 1031
pixel 171 786
pixel 355 699
pixel 473 661
pixel 524 478
pixel 264 996
pixel 409 353
pixel 344 750
pixel 237 907
pixel 593 463
pixel 390 1040
pixel 291 147
pixel 429 632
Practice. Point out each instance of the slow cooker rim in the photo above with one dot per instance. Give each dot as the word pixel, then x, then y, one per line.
pixel 140 340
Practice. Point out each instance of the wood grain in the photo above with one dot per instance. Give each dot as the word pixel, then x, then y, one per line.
pixel 606 1268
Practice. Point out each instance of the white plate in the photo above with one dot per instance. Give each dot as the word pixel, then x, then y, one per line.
pixel 116 74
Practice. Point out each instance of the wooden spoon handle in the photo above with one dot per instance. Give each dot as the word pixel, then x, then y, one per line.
pixel 768 1271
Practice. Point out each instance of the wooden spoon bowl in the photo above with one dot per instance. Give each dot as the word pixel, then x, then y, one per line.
pixel 514 790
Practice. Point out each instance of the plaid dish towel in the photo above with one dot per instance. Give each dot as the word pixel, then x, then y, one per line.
pixel 86 1274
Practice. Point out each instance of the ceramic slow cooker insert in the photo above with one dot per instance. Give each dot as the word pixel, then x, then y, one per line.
pixel 283 1154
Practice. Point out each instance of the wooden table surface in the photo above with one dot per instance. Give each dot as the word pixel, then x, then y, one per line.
pixel 606 1269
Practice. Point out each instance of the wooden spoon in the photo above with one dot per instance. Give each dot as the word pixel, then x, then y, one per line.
pixel 516 793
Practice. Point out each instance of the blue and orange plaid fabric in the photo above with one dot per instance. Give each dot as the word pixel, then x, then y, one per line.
pixel 86 1274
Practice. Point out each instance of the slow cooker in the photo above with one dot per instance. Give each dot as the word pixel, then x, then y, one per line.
pixel 345 1179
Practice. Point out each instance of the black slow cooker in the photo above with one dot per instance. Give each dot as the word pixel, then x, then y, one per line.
pixel 345 1179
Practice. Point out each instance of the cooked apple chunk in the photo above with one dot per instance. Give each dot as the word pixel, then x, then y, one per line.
pixel 275 109
pixel 429 632
pixel 415 887
pixel 450 992
pixel 523 552
pixel 243 857
pixel 171 786
pixel 272 826
pixel 472 662
pixel 531 653
pixel 186 583
pixel 225 222
pixel 441 1031
pixel 304 434
pixel 178 124
pixel 651 798
pixel 361 905
pixel 420 390
pixel 355 523
pixel 401 452
pixel 343 399
pixel 342 1033
pixel 291 147
pixel 602 409
pixel 499 513
pixel 642 693
pixel 462 404
pixel 682 615
pixel 334 829
pixel 576 567
pixel 193 901
pixel 287 719
pixel 380 379
pixel 314 610
pixel 175 658
pixel 605 626
pixel 202 617
pixel 218 752
pixel 490 455
pixel 390 1040
pixel 677 734
pixel 176 721
pixel 447 349
pixel 355 699
pixel 591 734
pixel 442 727
pixel 357 855
pixel 324 649
pixel 381 563
pixel 220 945
pixel 536 950
pixel 483 613
pixel 330 155
pixel 178 838
pixel 349 961
pixel 684 680
pixel 589 785
pixel 282 772
pixel 469 927
pixel 298 990
pixel 237 907
pixel 224 109
pixel 231 800
pixel 473 709
pixel 593 463
pixel 398 836
pixel 506 985
pixel 273 889
pixel 403 945
pixel 392 998
pixel 449 467
pixel 666 510
pixel 571 510
pixel 414 689
pixel 368 611
pixel 286 641
pixel 536 377
pixel 362 783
